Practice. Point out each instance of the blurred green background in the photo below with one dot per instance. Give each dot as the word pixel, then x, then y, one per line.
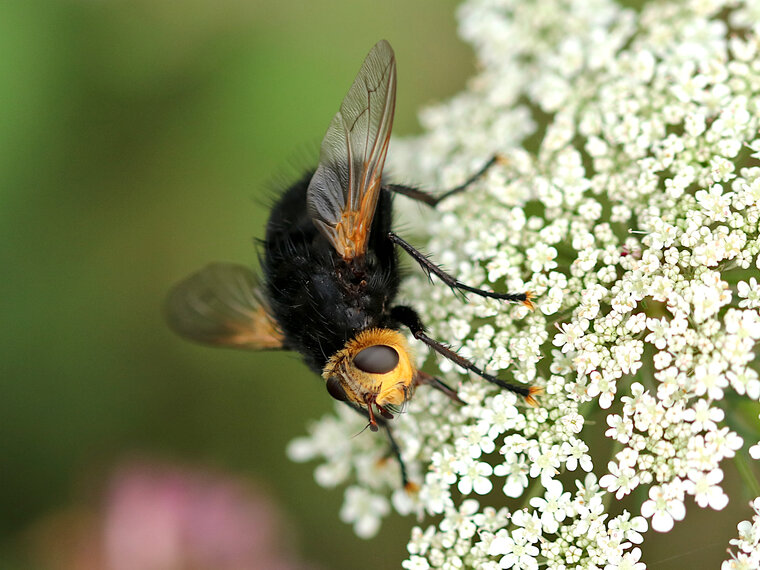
pixel 138 139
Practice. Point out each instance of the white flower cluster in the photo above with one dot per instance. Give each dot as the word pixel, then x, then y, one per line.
pixel 748 543
pixel 630 205
pixel 469 538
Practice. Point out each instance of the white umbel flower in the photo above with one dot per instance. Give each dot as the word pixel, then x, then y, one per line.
pixel 631 209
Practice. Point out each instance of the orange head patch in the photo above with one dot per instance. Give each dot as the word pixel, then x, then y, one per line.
pixel 374 370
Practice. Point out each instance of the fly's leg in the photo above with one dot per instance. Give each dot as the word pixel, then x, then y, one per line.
pixel 438 384
pixel 431 268
pixel 396 452
pixel 433 201
pixel 409 318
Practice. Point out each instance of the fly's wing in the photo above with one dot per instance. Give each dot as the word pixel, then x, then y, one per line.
pixel 222 305
pixel 343 192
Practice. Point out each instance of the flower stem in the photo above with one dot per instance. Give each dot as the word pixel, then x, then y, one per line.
pixel 747 474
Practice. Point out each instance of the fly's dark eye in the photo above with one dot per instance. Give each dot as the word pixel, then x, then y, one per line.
pixel 335 389
pixel 377 359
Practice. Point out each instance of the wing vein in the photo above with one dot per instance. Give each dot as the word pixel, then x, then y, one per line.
pixel 343 192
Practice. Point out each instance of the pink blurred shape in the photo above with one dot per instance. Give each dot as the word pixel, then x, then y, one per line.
pixel 157 516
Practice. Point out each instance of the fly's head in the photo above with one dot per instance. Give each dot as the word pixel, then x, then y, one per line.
pixel 373 371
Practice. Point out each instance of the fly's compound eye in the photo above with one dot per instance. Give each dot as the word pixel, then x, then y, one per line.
pixel 377 359
pixel 335 389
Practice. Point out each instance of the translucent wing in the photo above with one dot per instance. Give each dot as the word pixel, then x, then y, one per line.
pixel 343 192
pixel 222 305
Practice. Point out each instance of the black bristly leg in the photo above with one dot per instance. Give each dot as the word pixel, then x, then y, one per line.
pixel 431 200
pixel 438 384
pixel 396 451
pixel 431 267
pixel 409 318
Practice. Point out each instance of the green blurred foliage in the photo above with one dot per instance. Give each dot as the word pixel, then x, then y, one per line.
pixel 138 141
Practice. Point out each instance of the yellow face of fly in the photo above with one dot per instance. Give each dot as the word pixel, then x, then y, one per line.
pixel 374 368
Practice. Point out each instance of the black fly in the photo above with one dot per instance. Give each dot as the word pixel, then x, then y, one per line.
pixel 331 269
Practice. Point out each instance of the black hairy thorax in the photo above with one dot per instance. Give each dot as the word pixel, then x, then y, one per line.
pixel 319 300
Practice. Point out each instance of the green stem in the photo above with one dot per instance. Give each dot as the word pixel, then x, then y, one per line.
pixel 534 490
pixel 746 473
pixel 616 446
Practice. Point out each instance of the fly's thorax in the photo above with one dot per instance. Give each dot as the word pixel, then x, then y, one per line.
pixel 374 367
